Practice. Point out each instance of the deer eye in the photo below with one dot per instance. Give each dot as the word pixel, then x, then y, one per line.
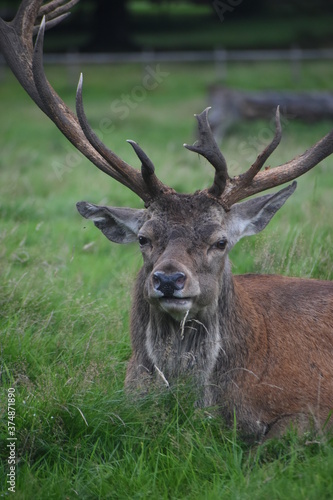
pixel 221 244
pixel 143 241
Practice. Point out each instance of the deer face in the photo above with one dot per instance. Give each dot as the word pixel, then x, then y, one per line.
pixel 184 244
pixel 184 240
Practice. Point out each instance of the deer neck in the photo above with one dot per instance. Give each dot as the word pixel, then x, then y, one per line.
pixel 217 335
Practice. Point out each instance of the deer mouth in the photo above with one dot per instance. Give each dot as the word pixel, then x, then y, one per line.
pixel 176 305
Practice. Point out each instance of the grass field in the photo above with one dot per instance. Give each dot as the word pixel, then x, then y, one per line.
pixel 65 295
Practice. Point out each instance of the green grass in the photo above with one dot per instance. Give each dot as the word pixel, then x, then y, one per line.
pixel 65 297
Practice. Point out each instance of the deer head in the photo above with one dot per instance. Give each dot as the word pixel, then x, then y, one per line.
pixel 185 241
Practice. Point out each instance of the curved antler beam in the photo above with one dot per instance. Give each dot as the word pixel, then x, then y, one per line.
pixel 26 62
pixel 288 171
pixel 236 189
pixel 62 116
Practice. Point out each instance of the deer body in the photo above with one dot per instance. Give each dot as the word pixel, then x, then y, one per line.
pixel 257 346
pixel 263 348
pixel 258 357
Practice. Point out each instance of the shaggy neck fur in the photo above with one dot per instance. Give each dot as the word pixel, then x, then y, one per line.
pixel 196 347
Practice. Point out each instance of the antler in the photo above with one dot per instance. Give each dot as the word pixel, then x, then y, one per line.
pixel 26 62
pixel 207 147
pixel 231 190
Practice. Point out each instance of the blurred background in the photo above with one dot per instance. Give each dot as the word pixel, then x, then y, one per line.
pixel 136 25
pixel 65 290
pixel 217 32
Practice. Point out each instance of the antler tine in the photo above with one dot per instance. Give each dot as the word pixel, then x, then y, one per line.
pixel 55 12
pixel 206 146
pixel 131 176
pixel 290 170
pixel 119 165
pixel 239 184
pixel 50 24
pixel 56 8
pixel 247 177
pixel 154 185
pixel 147 167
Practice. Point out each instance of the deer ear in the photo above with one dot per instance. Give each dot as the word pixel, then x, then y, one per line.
pixel 120 225
pixel 252 216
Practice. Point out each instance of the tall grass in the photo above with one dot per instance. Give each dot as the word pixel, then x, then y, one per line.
pixel 65 298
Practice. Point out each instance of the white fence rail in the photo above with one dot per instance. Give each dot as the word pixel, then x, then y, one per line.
pixel 219 57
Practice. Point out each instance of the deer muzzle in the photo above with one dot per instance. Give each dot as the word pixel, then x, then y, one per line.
pixel 172 291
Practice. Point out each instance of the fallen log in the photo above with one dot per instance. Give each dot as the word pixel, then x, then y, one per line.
pixel 230 106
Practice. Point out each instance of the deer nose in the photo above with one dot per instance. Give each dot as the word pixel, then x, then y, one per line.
pixel 168 283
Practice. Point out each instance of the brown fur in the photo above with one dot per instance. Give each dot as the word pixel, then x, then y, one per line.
pixel 260 345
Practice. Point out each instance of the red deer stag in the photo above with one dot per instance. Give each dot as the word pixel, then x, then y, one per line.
pixel 257 346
